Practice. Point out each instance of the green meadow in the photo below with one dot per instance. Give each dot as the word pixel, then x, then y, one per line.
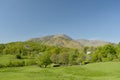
pixel 93 71
pixel 34 61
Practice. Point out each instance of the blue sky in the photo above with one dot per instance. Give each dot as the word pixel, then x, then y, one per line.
pixel 21 20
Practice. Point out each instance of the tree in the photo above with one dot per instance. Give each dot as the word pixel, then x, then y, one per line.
pixel 81 58
pixel 55 58
pixel 2 46
pixel 64 58
pixel 73 57
pixel 44 60
pixel 118 50
pixel 96 56
pixel 108 51
pixel 85 49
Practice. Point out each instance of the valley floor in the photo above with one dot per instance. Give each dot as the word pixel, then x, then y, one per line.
pixel 95 71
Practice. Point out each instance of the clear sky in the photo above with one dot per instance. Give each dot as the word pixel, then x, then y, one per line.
pixel 21 20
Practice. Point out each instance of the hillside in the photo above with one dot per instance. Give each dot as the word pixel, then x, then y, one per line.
pixel 66 41
pixel 58 40
pixel 94 43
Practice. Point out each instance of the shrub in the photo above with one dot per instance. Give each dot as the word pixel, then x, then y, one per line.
pixel 18 56
pixel 29 62
pixel 1 65
pixel 16 63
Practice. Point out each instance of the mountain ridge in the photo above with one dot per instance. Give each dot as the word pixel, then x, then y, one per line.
pixel 94 43
pixel 66 41
pixel 58 40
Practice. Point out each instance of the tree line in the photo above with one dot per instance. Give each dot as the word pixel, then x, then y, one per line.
pixel 45 55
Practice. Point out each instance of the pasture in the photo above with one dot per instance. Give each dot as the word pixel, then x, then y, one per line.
pixel 94 71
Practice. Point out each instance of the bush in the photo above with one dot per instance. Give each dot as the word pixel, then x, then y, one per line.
pixel 16 63
pixel 29 62
pixel 1 65
pixel 18 56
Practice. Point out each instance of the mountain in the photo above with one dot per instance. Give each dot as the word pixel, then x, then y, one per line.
pixel 66 41
pixel 58 40
pixel 94 43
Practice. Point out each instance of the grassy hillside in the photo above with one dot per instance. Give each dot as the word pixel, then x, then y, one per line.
pixel 95 71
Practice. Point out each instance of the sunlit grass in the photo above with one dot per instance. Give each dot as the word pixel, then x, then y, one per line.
pixel 95 71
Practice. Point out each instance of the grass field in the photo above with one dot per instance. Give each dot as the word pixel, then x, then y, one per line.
pixel 95 71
